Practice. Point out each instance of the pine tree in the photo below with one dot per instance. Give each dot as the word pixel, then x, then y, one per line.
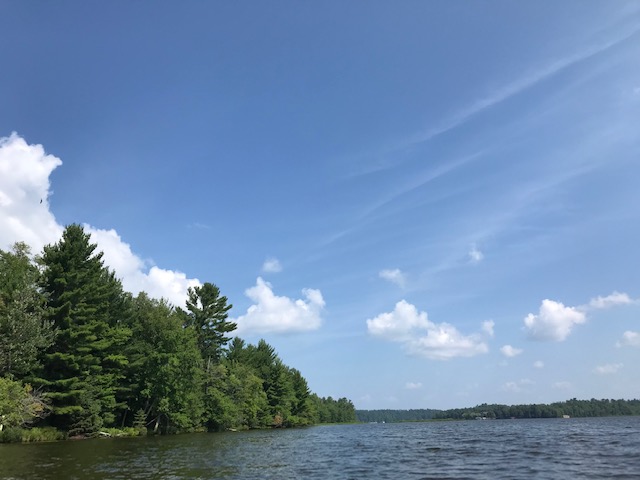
pixel 82 368
pixel 208 316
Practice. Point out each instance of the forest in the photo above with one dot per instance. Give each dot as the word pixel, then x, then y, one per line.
pixel 572 408
pixel 81 357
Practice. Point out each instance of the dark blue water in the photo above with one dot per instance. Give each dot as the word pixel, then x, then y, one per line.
pixel 509 449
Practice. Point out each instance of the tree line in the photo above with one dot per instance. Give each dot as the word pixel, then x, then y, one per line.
pixel 391 416
pixel 81 355
pixel 572 408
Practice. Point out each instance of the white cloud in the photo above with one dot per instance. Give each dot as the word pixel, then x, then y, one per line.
pixel 24 193
pixel 553 322
pixel 393 276
pixel 609 301
pixel 422 337
pixel 475 255
pixel 538 364
pixel 271 265
pixel 629 339
pixel 517 386
pixel 24 181
pixel 399 325
pixel 413 385
pixel 487 327
pixel 608 369
pixel 272 313
pixel 509 351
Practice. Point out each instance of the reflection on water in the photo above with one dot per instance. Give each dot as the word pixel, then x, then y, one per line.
pixel 554 448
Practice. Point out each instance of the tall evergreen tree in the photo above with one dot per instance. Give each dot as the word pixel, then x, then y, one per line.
pixel 207 314
pixel 83 366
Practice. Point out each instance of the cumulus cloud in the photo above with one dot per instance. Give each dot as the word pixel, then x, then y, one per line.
pixel 413 385
pixel 509 351
pixel 419 336
pixel 25 216
pixel 475 255
pixel 538 364
pixel 276 314
pixel 24 194
pixel 556 321
pixel 487 327
pixel 271 265
pixel 394 276
pixel 553 322
pixel 609 301
pixel 608 369
pixel 629 339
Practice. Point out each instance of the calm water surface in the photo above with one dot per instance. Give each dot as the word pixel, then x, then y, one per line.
pixel 510 449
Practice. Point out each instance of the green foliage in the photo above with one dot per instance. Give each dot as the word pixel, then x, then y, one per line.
pixel 390 416
pixel 106 363
pixel 573 408
pixel 24 330
pixel 334 411
pixel 20 405
pixel 165 368
pixel 207 315
pixel 42 434
pixel 11 435
pixel 83 367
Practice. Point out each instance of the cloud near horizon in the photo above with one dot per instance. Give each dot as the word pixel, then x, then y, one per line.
pixel 608 369
pixel 421 337
pixel 25 216
pixel 271 313
pixel 555 321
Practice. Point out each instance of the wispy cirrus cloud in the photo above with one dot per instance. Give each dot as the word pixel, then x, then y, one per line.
pixel 519 85
pixel 608 369
pixel 518 386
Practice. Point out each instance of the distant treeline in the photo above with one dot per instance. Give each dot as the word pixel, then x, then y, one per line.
pixel 390 416
pixel 80 356
pixel 572 408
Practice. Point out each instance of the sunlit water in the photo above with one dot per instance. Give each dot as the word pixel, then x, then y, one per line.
pixel 510 449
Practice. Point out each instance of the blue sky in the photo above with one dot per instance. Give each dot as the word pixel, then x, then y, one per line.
pixel 418 204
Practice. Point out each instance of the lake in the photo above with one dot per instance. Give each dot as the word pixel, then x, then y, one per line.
pixel 551 448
